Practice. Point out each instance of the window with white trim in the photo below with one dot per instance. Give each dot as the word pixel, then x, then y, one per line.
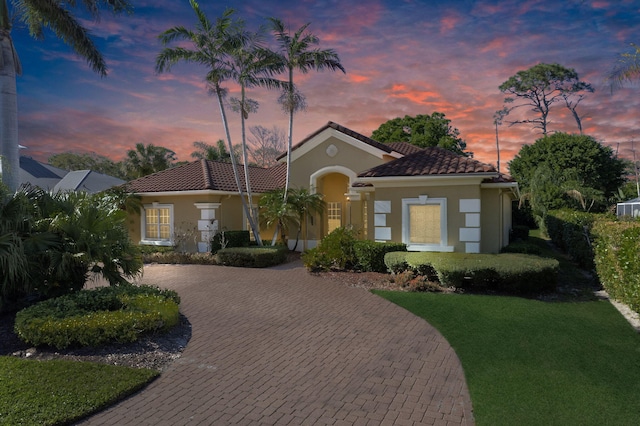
pixel 424 224
pixel 334 216
pixel 157 224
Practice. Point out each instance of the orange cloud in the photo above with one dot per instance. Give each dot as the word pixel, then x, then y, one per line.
pixel 354 78
pixel 449 22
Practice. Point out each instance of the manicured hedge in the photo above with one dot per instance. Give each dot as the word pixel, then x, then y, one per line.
pixel 174 257
pixel 230 239
pixel 513 273
pixel 252 257
pixel 570 232
pixel 617 260
pixel 99 316
pixel 370 254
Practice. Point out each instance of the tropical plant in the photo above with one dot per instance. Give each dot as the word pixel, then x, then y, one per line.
pixel 296 52
pixel 51 243
pixel 251 66
pixel 627 68
pixel 147 159
pixel 38 15
pixel 217 152
pixel 212 44
pixel 278 212
pixel 305 203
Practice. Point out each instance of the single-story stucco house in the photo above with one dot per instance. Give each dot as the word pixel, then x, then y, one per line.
pixel 431 199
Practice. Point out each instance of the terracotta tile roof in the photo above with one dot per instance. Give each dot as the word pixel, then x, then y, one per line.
pixel 501 178
pixel 428 162
pixel 346 131
pixel 208 175
pixel 404 148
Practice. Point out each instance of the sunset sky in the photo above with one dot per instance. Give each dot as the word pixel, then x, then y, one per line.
pixel 402 57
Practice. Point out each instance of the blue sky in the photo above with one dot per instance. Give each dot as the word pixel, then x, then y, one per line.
pixel 403 57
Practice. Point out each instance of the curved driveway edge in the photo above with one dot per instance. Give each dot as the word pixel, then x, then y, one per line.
pixel 282 347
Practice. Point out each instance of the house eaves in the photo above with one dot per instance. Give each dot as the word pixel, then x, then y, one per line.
pixel 421 180
pixel 344 134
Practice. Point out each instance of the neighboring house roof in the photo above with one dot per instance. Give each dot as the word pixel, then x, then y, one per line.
pixel 383 147
pixel 39 174
pixel 204 175
pixel 88 181
pixel 404 148
pixel 428 162
pixel 52 178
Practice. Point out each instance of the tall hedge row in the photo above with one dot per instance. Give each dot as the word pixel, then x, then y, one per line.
pixel 570 232
pixel 617 260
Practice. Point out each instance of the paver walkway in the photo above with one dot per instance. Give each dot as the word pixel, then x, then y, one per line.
pixel 280 346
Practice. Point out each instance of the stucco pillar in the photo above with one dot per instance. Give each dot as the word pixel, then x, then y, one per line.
pixel 207 224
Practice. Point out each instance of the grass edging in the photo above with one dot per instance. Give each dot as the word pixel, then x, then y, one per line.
pixel 60 391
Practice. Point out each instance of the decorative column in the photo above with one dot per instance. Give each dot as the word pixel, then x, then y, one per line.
pixel 207 225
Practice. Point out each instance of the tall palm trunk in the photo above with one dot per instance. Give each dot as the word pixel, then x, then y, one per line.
pixel 9 68
pixel 225 124
pixel 290 136
pixel 245 159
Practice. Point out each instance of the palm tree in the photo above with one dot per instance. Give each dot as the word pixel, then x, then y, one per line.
pixel 274 210
pixel 628 68
pixel 147 159
pixel 252 66
pixel 305 203
pixel 212 45
pixel 37 15
pixel 216 152
pixel 296 54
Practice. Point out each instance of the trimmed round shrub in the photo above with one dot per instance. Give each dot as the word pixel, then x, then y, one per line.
pixel 118 314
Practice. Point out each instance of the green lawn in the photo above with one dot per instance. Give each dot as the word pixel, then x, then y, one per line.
pixel 58 392
pixel 529 362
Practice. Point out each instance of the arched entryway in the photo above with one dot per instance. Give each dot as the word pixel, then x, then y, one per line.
pixel 334 183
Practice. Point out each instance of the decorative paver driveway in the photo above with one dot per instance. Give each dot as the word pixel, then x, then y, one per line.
pixel 280 346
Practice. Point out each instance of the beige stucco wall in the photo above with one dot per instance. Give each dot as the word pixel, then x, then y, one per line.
pixel 186 215
pixel 331 163
pixel 347 155
pixel 491 221
pixel 453 194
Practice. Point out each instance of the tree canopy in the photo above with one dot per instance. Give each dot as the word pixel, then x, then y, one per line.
pixel 542 85
pixel 87 161
pixel 565 170
pixel 147 159
pixel 423 130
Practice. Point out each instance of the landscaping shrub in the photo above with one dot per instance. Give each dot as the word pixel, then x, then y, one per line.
pixel 617 254
pixel 99 316
pixel 173 257
pixel 229 239
pixel 510 272
pixel 524 247
pixel 147 249
pixel 519 232
pixel 370 254
pixel 335 251
pixel 396 262
pixel 413 282
pixel 252 257
pixel 570 232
